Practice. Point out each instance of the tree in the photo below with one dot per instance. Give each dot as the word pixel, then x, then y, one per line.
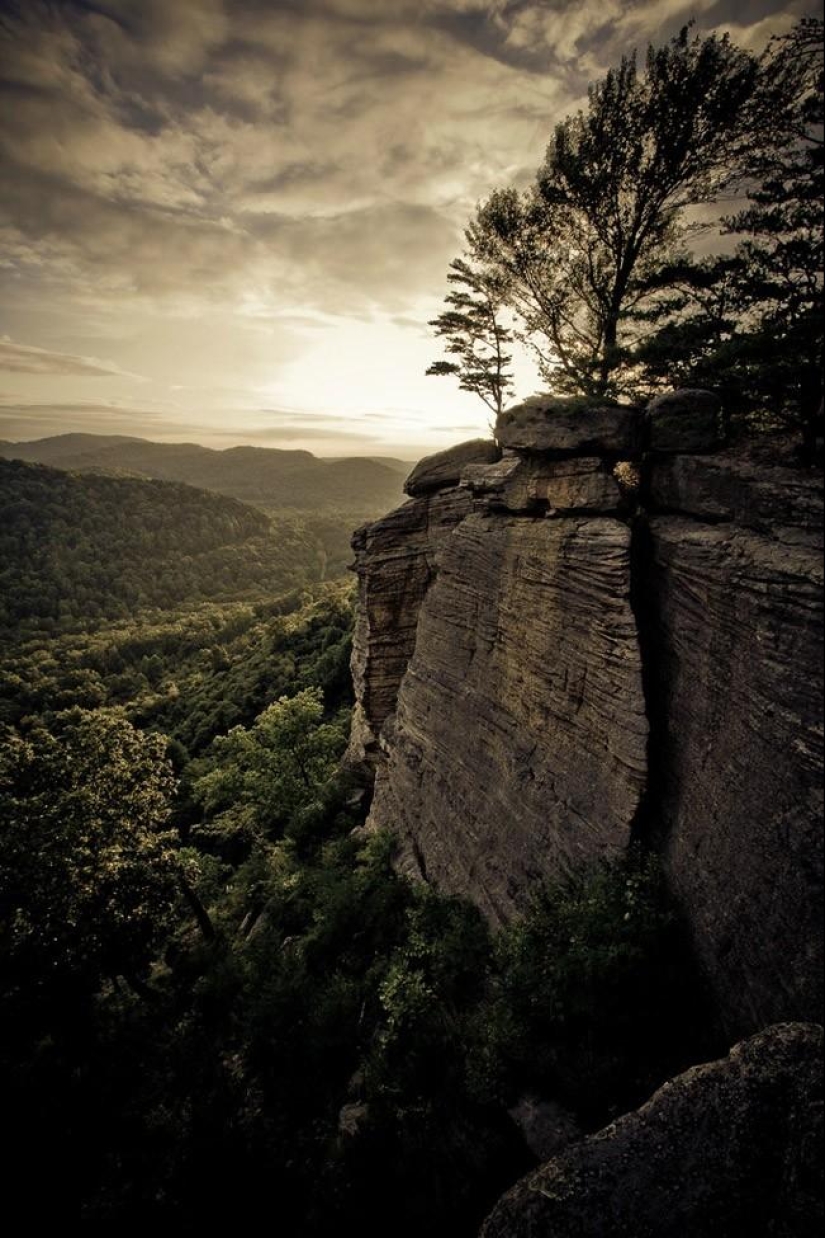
pixel 579 250
pixel 475 334
pixel 749 323
pixel 91 878
pixel 266 772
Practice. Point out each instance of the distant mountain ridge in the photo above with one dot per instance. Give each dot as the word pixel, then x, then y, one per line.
pixel 265 475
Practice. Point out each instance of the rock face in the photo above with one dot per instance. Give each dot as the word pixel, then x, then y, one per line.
pixel 544 669
pixel 549 424
pixel 535 484
pixel 736 656
pixel 729 1148
pixel 521 714
pixel 395 562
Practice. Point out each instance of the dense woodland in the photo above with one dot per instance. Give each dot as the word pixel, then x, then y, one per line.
pixel 213 986
pixel 78 548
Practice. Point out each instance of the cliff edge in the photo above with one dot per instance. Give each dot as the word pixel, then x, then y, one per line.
pixel 607 625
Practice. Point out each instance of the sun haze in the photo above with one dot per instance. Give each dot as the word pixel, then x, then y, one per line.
pixel 231 222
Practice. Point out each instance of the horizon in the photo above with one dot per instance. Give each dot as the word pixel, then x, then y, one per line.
pixel 138 438
pixel 231 224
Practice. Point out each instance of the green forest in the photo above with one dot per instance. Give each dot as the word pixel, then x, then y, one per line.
pixel 76 548
pixel 214 987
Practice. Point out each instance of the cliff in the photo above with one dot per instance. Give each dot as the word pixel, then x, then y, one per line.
pixel 608 626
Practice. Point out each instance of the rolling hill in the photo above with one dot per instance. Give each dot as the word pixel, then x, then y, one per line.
pixel 78 548
pixel 359 486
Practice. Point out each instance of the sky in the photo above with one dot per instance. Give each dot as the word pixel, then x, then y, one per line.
pixel 230 221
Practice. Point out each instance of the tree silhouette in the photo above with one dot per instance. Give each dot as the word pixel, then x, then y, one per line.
pixel 579 250
pixel 475 335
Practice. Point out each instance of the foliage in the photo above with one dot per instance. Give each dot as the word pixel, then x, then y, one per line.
pixel 263 774
pixel 192 674
pixel 90 883
pixel 328 981
pixel 750 323
pixel 579 250
pixel 588 991
pixel 75 549
pixel 474 333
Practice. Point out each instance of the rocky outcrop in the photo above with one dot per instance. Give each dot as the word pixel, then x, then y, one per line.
pixel 395 562
pixel 730 1148
pixel 529 485
pixel 445 467
pixel 520 634
pixel 550 424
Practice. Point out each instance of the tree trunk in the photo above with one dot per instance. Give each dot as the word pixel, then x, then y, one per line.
pixel 200 913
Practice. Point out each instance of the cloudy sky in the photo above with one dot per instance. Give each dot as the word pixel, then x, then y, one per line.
pixel 228 221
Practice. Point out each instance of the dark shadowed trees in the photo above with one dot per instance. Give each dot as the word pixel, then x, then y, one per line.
pixel 91 879
pixel 750 322
pixel 579 251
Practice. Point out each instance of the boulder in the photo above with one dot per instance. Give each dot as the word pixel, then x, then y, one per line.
pixel 444 468
pixel 570 427
pixel 731 1149
pixel 689 420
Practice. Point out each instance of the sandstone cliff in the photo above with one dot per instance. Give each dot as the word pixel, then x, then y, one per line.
pixel 610 626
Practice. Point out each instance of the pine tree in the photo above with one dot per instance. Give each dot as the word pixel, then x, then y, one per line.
pixel 475 334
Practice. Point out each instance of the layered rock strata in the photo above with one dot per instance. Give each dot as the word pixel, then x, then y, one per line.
pixel 729 1148
pixel 734 595
pixel 520 632
pixel 395 562
pixel 517 747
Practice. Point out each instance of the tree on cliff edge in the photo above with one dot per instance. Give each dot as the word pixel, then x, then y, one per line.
pixel 750 322
pixel 475 334
pixel 580 250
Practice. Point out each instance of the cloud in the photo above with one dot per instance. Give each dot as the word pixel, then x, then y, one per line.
pixel 26 359
pixel 242 194
pixel 21 422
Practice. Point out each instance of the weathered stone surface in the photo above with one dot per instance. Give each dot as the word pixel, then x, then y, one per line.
pixel 686 420
pixel 783 502
pixel 395 562
pixel 545 1126
pixel 731 1149
pixel 547 423
pixel 517 750
pixel 535 484
pixel 518 745
pixel 444 468
pixel 735 656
